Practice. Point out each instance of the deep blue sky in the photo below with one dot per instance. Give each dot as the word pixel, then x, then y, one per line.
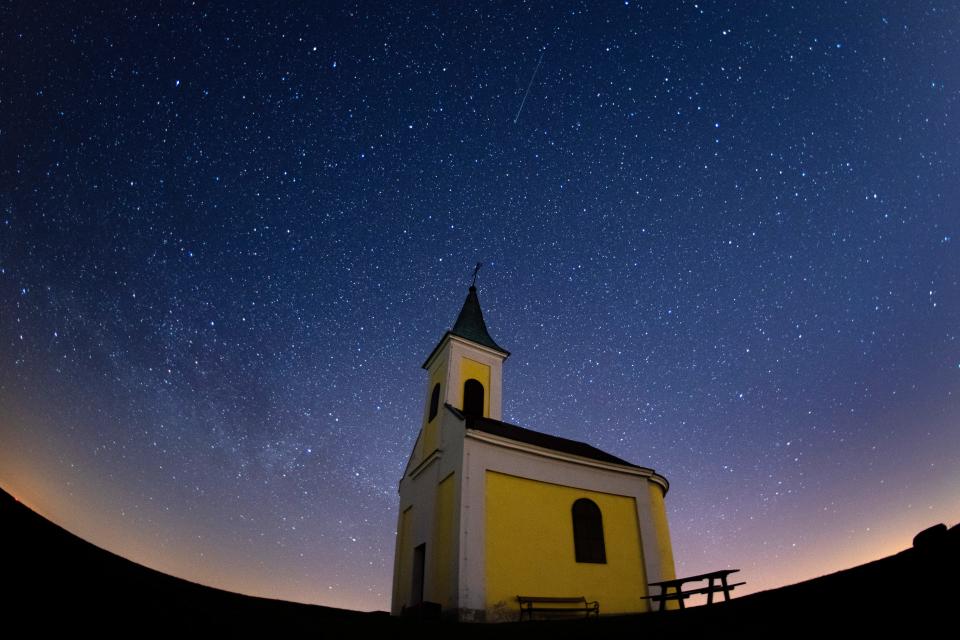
pixel 719 239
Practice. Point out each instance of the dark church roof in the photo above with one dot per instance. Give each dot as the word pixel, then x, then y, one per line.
pixel 470 325
pixel 543 440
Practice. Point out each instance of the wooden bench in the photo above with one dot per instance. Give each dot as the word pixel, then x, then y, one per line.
pixel 557 605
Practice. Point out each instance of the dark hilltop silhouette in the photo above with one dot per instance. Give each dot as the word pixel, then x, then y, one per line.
pixel 55 580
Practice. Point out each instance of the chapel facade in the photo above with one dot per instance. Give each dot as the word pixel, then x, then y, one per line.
pixel 490 510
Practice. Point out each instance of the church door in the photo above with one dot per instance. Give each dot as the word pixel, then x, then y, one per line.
pixel 419 558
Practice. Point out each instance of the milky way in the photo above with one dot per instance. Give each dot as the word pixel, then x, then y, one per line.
pixel 721 241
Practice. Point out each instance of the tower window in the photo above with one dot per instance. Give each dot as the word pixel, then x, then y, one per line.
pixel 473 397
pixel 434 402
pixel 588 532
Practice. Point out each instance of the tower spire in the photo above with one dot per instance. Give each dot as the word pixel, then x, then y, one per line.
pixel 470 324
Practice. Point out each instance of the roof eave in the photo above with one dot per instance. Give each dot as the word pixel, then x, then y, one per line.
pixel 450 334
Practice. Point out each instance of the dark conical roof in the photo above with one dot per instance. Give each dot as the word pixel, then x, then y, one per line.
pixel 470 324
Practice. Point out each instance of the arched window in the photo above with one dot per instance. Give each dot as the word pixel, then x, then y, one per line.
pixel 473 397
pixel 434 402
pixel 588 532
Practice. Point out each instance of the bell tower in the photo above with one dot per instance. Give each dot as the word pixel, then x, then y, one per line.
pixel 464 370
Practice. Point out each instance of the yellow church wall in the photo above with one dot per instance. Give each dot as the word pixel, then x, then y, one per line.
pixel 530 548
pixel 431 429
pixel 659 512
pixel 442 590
pixel 480 372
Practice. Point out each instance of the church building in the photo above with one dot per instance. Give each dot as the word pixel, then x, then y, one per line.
pixel 490 511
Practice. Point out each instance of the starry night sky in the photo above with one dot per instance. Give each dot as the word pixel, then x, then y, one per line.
pixel 719 240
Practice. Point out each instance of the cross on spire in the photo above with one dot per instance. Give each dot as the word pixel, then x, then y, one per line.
pixel 476 269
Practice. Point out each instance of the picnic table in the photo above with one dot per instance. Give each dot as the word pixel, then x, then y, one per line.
pixel 680 595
